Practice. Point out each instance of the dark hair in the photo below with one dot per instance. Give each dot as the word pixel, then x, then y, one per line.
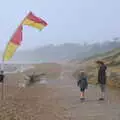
pixel 100 62
pixel 82 73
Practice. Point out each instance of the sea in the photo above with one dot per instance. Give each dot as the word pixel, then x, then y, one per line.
pixel 15 66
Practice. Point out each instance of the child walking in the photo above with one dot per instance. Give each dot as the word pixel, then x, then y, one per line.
pixel 83 84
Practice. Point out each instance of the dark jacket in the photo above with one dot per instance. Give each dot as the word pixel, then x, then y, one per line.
pixel 1 77
pixel 82 82
pixel 102 74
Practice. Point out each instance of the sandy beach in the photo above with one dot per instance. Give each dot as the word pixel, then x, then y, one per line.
pixel 30 103
pixel 57 100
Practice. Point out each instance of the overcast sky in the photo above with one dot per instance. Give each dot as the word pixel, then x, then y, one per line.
pixel 75 21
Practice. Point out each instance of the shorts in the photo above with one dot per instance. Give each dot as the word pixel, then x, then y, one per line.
pixel 102 87
pixel 82 89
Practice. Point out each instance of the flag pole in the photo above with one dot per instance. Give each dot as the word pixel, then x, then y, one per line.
pixel 2 64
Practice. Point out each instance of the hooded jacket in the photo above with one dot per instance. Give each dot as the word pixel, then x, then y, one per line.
pixel 82 82
pixel 102 74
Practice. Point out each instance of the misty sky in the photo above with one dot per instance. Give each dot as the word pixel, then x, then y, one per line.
pixel 68 21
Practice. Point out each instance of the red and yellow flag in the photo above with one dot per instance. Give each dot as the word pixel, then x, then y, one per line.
pixel 13 44
pixel 15 41
pixel 34 21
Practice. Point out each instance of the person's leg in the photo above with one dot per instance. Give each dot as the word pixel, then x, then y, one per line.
pixel 82 96
pixel 102 87
pixel 103 91
pixel 81 93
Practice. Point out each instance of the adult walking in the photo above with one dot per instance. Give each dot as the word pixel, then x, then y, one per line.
pixel 102 78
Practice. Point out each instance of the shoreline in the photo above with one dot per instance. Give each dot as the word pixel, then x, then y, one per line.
pixel 11 69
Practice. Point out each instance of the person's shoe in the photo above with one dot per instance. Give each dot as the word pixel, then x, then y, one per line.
pixel 101 99
pixel 82 99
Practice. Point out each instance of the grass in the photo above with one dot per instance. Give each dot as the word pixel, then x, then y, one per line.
pixel 107 55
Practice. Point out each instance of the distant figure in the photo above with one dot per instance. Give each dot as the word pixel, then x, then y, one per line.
pixel 102 78
pixel 2 76
pixel 83 84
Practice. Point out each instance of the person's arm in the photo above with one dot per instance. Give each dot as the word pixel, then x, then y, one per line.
pixel 99 76
pixel 78 82
pixel 86 82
